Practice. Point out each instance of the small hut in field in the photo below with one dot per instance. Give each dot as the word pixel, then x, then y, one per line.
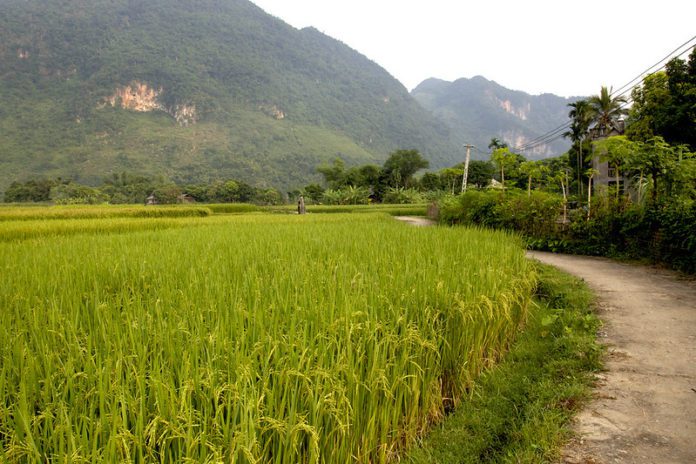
pixel 185 199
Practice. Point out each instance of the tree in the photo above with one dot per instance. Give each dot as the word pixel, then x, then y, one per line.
pixel 665 105
pixel 533 170
pixel 615 151
pixel 657 158
pixel 430 182
pixel 223 191
pixel 450 177
pixel 503 158
pixel 606 110
pixel 314 192
pixel 400 167
pixel 480 173
pixel 31 191
pixel 651 105
pixel 369 176
pixel 590 173
pixel 73 193
pixel 562 176
pixel 334 175
pixel 496 143
pixel 581 118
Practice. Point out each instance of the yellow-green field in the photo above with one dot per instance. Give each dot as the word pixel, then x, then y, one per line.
pixel 250 338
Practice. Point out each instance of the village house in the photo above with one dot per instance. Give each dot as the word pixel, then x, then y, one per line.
pixel 606 175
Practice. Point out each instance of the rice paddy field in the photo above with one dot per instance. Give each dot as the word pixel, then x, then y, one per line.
pixel 251 338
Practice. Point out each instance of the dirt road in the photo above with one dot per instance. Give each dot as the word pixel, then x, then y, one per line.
pixel 644 409
pixel 417 221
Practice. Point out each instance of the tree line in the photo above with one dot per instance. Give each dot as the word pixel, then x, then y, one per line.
pixel 128 188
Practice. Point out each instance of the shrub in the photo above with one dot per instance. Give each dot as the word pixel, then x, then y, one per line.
pixel 663 233
pixel 402 196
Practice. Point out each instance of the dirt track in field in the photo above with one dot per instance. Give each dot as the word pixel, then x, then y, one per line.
pixel 644 406
pixel 418 221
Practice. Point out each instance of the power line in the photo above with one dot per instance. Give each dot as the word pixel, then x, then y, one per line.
pixel 687 45
pixel 556 133
pixel 552 135
pixel 543 138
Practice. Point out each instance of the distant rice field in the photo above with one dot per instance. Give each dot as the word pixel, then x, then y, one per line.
pixel 15 213
pixel 247 338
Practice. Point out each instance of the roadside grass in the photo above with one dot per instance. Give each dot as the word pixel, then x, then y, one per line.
pixel 519 411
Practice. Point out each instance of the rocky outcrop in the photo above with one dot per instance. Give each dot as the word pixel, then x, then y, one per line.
pixel 136 96
pixel 521 113
pixel 273 111
pixel 185 114
pixel 517 138
pixel 141 97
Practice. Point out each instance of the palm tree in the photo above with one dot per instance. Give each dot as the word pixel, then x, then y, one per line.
pixel 496 143
pixel 606 110
pixel 581 118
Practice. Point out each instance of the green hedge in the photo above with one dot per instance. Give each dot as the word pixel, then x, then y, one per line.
pixel 663 233
pixel 533 215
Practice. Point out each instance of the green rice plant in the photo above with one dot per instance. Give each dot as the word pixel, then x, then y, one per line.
pixel 260 338
pixel 24 230
pixel 232 208
pixel 15 213
pixel 393 210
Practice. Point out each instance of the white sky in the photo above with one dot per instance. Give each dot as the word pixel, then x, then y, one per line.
pixel 562 47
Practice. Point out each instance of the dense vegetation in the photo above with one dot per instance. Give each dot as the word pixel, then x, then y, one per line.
pixel 271 101
pixel 392 183
pixel 248 338
pixel 132 189
pixel 646 209
pixel 662 233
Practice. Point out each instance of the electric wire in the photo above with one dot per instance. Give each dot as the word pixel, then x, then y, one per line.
pixel 557 132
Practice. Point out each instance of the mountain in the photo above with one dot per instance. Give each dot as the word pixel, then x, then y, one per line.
pixel 478 109
pixel 193 91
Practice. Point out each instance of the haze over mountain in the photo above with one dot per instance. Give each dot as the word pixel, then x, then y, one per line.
pixel 478 109
pixel 196 91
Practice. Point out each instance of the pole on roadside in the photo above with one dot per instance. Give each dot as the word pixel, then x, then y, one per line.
pixel 465 177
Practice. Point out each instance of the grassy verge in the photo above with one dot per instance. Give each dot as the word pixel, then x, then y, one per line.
pixel 518 412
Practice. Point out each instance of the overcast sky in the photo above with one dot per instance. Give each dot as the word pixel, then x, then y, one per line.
pixel 569 48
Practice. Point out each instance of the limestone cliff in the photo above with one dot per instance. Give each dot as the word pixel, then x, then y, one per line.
pixel 141 97
pixel 136 96
pixel 520 112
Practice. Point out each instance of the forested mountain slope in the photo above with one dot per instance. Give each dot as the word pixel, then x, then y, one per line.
pixel 192 91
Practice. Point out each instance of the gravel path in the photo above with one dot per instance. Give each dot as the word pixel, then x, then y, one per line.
pixel 644 407
pixel 418 221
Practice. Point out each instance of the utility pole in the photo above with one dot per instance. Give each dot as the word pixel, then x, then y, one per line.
pixel 465 177
pixel 581 190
